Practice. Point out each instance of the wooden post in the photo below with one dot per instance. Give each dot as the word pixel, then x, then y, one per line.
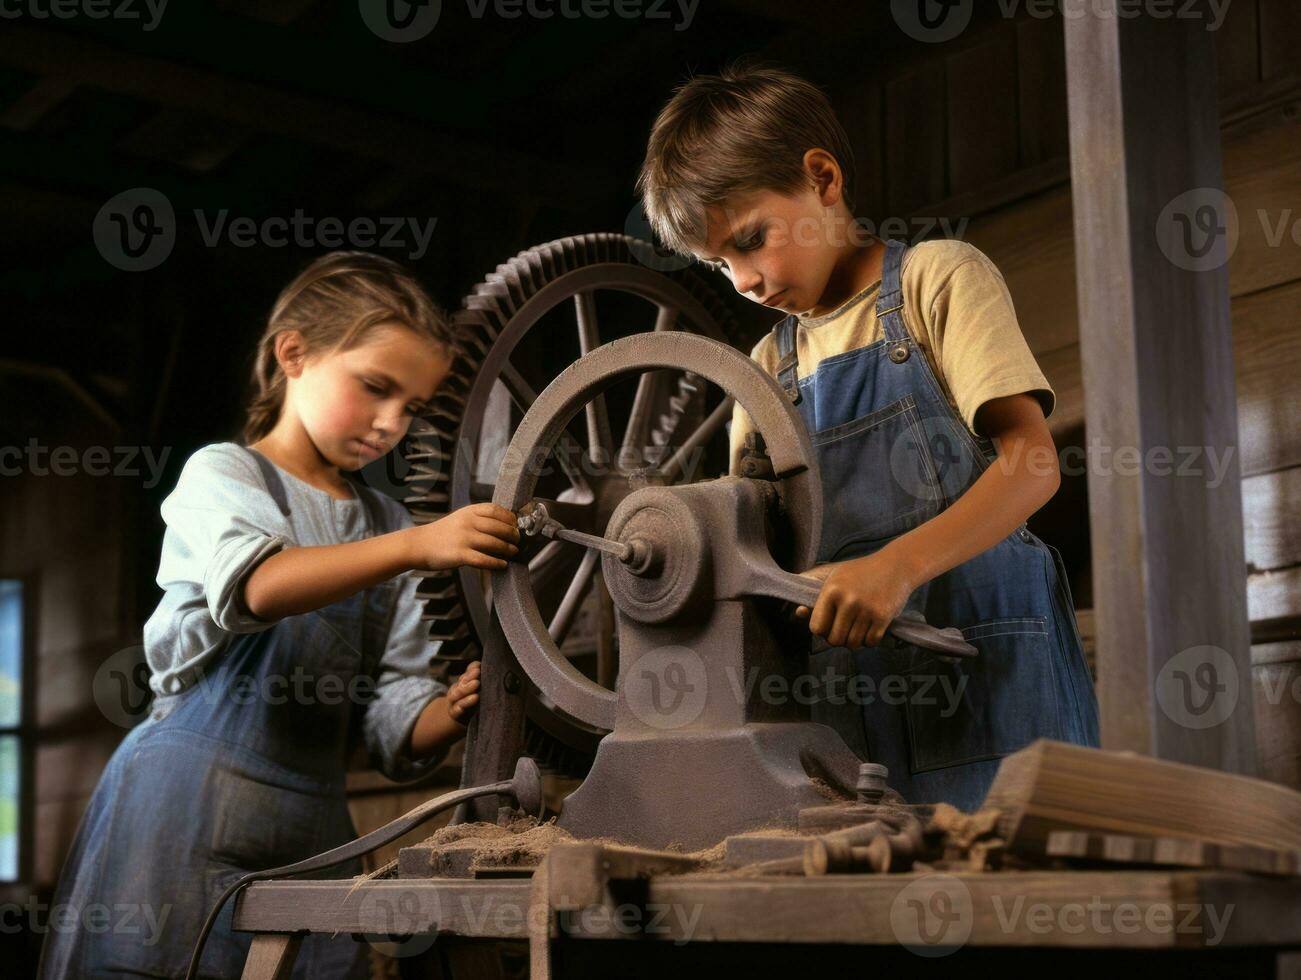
pixel 1152 236
pixel 492 746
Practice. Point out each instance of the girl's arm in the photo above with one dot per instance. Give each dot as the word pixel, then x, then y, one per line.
pixel 299 580
pixel 861 596
pixel 445 719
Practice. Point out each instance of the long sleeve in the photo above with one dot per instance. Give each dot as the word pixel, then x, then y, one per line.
pixel 221 523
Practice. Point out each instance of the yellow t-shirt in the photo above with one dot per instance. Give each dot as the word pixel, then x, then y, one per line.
pixel 957 309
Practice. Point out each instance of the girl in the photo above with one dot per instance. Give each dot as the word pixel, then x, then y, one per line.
pixel 287 627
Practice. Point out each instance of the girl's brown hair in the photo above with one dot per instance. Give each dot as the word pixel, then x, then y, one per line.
pixel 744 129
pixel 334 303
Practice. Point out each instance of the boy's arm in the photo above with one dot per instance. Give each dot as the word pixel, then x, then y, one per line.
pixel 861 596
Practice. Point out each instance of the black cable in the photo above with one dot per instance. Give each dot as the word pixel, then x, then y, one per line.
pixel 525 787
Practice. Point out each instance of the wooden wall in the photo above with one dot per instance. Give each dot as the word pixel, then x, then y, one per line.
pixel 974 132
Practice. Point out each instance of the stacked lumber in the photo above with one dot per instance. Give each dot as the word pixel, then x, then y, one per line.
pixel 1059 800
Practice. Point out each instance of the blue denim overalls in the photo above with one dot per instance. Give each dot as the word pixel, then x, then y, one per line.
pixel 893 454
pixel 242 771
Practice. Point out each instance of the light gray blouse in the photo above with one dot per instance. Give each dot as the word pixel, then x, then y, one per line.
pixel 221 522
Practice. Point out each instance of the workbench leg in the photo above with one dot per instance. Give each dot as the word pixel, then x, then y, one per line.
pixel 272 955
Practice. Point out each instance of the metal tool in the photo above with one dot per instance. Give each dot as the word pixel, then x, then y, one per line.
pixel 639 554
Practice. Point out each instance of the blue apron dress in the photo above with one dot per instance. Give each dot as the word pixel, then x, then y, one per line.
pixel 242 771
pixel 893 453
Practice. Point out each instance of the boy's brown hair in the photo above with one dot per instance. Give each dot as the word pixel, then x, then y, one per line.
pixel 745 129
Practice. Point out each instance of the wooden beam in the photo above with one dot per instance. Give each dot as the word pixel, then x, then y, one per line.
pixel 313 119
pixel 1156 350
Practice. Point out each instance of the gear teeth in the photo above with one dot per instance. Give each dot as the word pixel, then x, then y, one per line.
pixel 484 315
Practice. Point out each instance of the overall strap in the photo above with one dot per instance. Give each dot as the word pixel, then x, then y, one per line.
pixel 275 485
pixel 890 299
pixel 366 494
pixel 789 363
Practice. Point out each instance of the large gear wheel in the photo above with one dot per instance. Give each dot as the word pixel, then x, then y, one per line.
pixel 511 323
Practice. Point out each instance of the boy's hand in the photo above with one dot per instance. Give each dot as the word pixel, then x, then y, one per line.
pixel 859 599
pixel 463 696
pixel 478 535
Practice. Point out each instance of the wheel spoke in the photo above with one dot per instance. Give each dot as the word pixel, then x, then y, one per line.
pixel 677 463
pixel 523 395
pixel 643 406
pixel 600 442
pixel 568 609
pixel 549 551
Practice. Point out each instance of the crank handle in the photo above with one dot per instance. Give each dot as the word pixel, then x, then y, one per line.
pixel 910 628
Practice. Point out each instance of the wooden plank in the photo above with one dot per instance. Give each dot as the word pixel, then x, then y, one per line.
pixel 1277 693
pixel 1263 179
pixel 861 110
pixel 1041 90
pixel 1280 34
pixel 1060 786
pixel 1275 594
pixel 491 750
pixel 1271 510
pixel 983 132
pixel 316 120
pixel 271 956
pixel 1267 364
pixel 1032 245
pixel 860 909
pixel 1184 852
pixel 915 161
pixel 1267 361
pixel 1237 49
pixel 1144 131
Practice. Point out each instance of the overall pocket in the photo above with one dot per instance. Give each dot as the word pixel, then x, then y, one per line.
pixel 878 479
pixel 986 707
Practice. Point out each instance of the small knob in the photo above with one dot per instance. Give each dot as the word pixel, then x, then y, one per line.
pixel 871 783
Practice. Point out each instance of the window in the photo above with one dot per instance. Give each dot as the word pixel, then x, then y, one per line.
pixel 11 719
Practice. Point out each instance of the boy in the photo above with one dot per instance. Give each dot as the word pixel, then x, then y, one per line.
pixel 926 411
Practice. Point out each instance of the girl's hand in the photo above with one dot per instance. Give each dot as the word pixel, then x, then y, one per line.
pixel 478 535
pixel 463 696
pixel 859 599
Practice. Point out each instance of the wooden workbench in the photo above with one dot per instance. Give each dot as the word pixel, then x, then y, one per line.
pixel 1071 922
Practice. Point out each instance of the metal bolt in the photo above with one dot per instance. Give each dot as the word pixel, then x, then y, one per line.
pixel 511 682
pixel 871 783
